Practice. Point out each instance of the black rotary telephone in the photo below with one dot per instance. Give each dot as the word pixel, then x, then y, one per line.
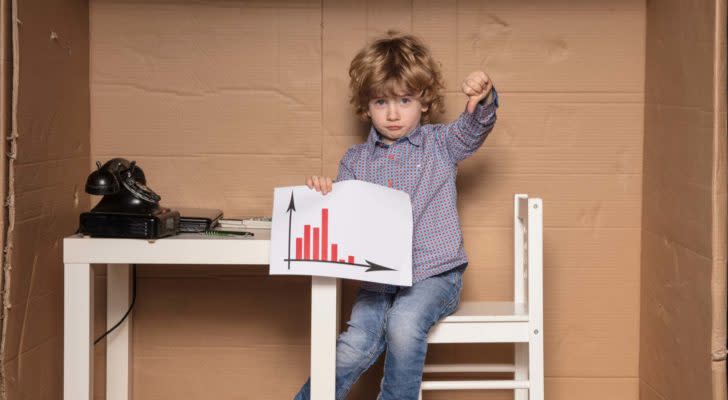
pixel 129 208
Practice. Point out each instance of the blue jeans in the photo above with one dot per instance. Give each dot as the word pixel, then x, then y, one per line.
pixel 398 322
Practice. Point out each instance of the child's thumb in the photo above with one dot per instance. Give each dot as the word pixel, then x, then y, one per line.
pixel 472 103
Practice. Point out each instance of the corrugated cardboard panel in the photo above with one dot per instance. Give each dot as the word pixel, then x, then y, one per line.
pixel 678 198
pixel 37 374
pixel 647 392
pixel 230 338
pixel 174 87
pixel 221 373
pixel 719 282
pixel 99 328
pixel 682 319
pixel 675 319
pixel 240 78
pixel 47 168
pixel 549 46
pixel 6 84
pixel 221 312
pixel 570 248
pixel 591 388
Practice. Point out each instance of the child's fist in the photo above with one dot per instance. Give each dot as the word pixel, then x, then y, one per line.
pixel 476 86
pixel 322 184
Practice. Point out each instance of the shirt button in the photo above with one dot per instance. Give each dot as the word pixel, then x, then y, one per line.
pixel 390 183
pixel 391 156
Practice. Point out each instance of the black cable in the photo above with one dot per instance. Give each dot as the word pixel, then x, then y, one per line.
pixel 133 299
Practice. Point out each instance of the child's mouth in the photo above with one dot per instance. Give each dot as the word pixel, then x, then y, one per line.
pixel 394 128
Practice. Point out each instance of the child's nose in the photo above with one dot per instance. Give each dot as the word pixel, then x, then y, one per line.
pixel 392 112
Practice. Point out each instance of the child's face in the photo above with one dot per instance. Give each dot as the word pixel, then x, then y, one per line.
pixel 395 116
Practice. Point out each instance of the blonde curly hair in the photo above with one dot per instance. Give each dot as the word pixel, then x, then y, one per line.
pixel 392 64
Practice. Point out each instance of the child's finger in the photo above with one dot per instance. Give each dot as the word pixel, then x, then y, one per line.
pixel 469 90
pixel 472 103
pixel 309 182
pixel 329 184
pixel 476 87
pixel 474 100
pixel 316 183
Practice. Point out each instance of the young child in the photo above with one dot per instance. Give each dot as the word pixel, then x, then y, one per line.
pixel 396 84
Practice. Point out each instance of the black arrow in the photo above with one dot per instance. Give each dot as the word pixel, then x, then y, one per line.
pixel 291 208
pixel 377 267
pixel 371 266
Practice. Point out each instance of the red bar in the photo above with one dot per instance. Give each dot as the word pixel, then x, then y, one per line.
pixel 307 242
pixel 299 243
pixel 334 251
pixel 342 261
pixel 351 259
pixel 315 243
pixel 325 234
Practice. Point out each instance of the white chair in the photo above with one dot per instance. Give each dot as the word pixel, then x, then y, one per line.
pixel 519 321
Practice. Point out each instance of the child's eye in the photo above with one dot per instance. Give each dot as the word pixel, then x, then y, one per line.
pixel 405 100
pixel 379 102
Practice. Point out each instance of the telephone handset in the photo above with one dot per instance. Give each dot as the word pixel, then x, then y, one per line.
pixel 129 207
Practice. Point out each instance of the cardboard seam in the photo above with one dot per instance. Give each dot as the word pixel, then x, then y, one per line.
pixel 653 389
pixel 204 93
pixel 719 228
pixel 10 201
pixel 271 156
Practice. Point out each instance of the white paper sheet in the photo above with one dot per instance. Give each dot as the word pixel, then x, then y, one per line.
pixel 367 226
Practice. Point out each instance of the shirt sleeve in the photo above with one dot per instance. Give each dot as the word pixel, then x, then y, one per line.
pixel 346 167
pixel 462 137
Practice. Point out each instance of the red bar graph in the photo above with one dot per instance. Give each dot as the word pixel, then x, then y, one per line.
pixel 325 234
pixel 316 244
pixel 307 242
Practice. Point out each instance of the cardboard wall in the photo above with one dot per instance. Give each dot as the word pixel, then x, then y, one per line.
pixel 6 82
pixel 683 286
pixel 220 101
pixel 47 162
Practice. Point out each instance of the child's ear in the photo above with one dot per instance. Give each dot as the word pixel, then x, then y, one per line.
pixel 425 108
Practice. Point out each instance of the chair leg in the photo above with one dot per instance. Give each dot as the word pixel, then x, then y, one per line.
pixel 535 366
pixel 420 397
pixel 521 364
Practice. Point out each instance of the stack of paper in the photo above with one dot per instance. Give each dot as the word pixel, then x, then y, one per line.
pixel 246 222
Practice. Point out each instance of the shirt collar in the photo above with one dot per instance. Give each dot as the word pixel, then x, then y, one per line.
pixel 415 137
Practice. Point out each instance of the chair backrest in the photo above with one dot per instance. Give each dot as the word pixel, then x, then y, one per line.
pixel 528 254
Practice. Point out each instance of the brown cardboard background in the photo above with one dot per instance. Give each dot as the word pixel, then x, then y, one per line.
pixel 220 101
pixel 6 84
pixel 47 163
pixel 570 130
pixel 682 320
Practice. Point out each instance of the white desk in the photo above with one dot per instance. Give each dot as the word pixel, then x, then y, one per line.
pixel 80 252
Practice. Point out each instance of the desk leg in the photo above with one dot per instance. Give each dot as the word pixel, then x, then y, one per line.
pixel 118 365
pixel 324 329
pixel 78 311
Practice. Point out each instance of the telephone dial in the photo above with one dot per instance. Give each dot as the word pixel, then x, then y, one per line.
pixel 129 208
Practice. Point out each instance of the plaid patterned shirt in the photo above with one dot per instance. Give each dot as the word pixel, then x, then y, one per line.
pixel 424 164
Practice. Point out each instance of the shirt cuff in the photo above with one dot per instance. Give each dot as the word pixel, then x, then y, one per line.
pixel 484 112
pixel 492 98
